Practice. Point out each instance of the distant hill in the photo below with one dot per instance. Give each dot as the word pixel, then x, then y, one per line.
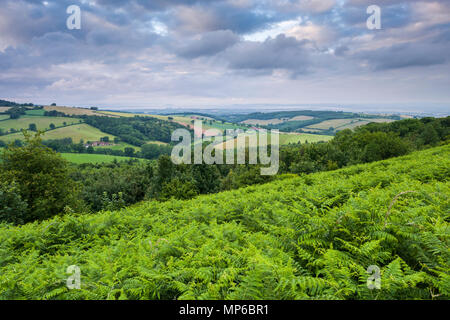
pixel 308 121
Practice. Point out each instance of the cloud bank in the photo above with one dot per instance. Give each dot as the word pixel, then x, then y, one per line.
pixel 219 52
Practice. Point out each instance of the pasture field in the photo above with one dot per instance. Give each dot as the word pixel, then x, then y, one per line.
pixel 225 126
pixel 309 130
pixel 288 138
pixel 303 138
pixel 80 158
pixel 257 122
pixel 4 117
pixel 301 118
pixel 335 123
pixel 4 109
pixel 39 112
pixel 42 123
pixel 260 122
pixel 363 122
pixel 341 124
pixel 72 111
pixel 160 143
pixel 354 125
pixel 184 120
pixel 76 132
pixel 120 146
pixel 118 114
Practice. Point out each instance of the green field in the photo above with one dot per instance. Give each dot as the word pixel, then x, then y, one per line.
pixel 39 112
pixel 120 146
pixel 76 132
pixel 227 125
pixel 160 143
pixel 260 122
pixel 286 138
pixel 303 138
pixel 4 116
pixel 72 111
pixel 341 124
pixel 120 114
pixel 310 237
pixel 80 158
pixel 42 123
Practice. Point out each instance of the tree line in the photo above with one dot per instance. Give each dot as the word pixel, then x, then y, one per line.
pixel 148 151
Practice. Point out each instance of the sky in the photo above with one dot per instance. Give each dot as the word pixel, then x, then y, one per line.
pixel 219 53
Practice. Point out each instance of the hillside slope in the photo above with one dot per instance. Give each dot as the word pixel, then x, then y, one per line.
pixel 310 237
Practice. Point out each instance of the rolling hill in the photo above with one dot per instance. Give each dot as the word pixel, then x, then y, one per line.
pixel 318 122
pixel 76 132
pixel 73 111
pixel 42 123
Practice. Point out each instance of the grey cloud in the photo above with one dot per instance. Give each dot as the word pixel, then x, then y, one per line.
pixel 42 52
pixel 155 5
pixel 221 16
pixel 209 44
pixel 404 55
pixel 341 51
pixel 280 53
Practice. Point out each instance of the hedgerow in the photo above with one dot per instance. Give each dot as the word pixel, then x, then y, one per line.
pixel 305 237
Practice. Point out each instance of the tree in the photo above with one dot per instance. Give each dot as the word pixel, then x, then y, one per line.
pixel 153 151
pixel 12 207
pixel 150 151
pixel 207 178
pixel 429 135
pixel 380 146
pixel 41 176
pixel 18 143
pixel 52 126
pixel 32 127
pixel 129 152
pixel 179 189
pixel 14 115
